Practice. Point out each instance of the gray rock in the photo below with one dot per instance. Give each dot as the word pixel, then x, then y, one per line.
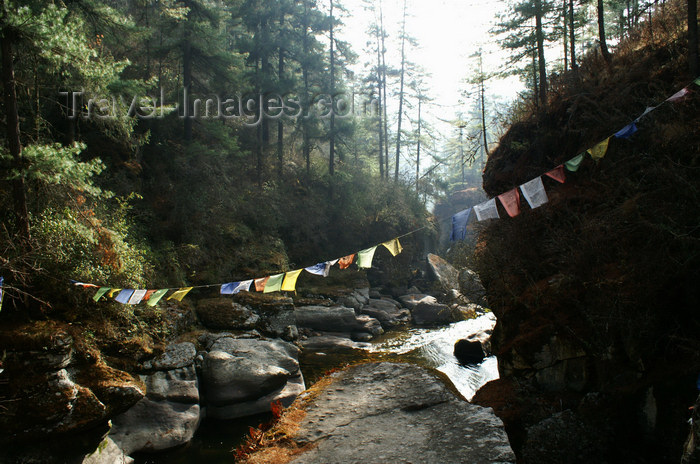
pixel 329 319
pixel 155 425
pixel 471 287
pixel 176 355
pixel 177 385
pixel 286 395
pixel 436 314
pixel 468 351
pixel 362 295
pixel 332 342
pixel 409 415
pixel 370 325
pixel 446 275
pixel 374 294
pixel 387 313
pixel 224 314
pixel 242 376
pixel 413 300
pixel 291 333
pixel 108 453
pixel 350 301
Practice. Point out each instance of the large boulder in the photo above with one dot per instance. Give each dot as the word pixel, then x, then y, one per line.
pixel 155 425
pixel 386 312
pixel 332 342
pixel 225 314
pixel 339 319
pixel 107 453
pixel 408 414
pixel 470 286
pixel 468 351
pixel 169 414
pixel 443 272
pixel 243 376
pixel 427 314
pixel 413 300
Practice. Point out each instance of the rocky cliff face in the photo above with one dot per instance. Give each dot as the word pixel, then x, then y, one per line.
pixel 596 336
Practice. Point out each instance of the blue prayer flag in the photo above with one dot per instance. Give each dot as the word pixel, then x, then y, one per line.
pixel 2 280
pixel 124 295
pixel 627 131
pixel 229 288
pixel 317 269
pixel 459 225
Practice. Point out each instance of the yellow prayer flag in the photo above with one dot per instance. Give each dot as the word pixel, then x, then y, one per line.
pixel 180 294
pixel 599 150
pixel 290 281
pixel 394 246
pixel 111 293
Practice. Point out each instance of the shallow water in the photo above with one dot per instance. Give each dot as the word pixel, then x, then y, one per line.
pixel 430 347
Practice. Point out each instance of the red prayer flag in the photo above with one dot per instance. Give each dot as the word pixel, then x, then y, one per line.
pixel 346 261
pixel 511 202
pixel 260 283
pixel 148 295
pixel 557 174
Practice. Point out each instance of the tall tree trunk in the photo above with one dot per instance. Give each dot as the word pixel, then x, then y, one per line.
pixel 572 35
pixel 565 34
pixel 305 75
pixel 483 112
pixel 331 157
pixel 380 126
pixel 601 32
pixel 540 52
pixel 385 99
pixel 280 124
pixel 14 145
pixel 187 83
pixel 535 86
pixel 693 38
pixel 420 121
pixel 403 71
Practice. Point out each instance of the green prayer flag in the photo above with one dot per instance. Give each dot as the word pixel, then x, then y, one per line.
pixel 100 293
pixel 364 257
pixel 697 81
pixel 574 163
pixel 155 298
pixel 274 283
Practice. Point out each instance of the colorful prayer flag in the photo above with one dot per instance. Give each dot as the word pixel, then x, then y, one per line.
pixel 459 225
pixel 156 296
pixel 82 284
pixel 680 95
pixel 274 283
pixel 394 246
pixel 112 291
pixel 511 202
pixel 148 295
pixel 534 192
pixel 290 281
pixel 100 293
pixel 137 297
pixel 235 287
pixel 557 174
pixel 317 269
pixel 574 163
pixel 2 280
pixel 346 261
pixel 364 257
pixel 648 109
pixel 180 294
pixel 627 131
pixel 486 210
pixel 597 152
pixel 697 81
pixel 260 283
pixel 124 295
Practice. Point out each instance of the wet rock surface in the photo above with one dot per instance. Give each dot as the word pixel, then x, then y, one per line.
pixel 387 412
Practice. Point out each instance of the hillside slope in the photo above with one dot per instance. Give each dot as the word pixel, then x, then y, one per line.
pixel 596 292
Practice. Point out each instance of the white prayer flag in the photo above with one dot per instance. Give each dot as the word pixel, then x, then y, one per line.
pixel 534 192
pixel 137 296
pixel 486 210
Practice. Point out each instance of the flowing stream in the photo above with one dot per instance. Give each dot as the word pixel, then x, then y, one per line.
pixel 429 347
